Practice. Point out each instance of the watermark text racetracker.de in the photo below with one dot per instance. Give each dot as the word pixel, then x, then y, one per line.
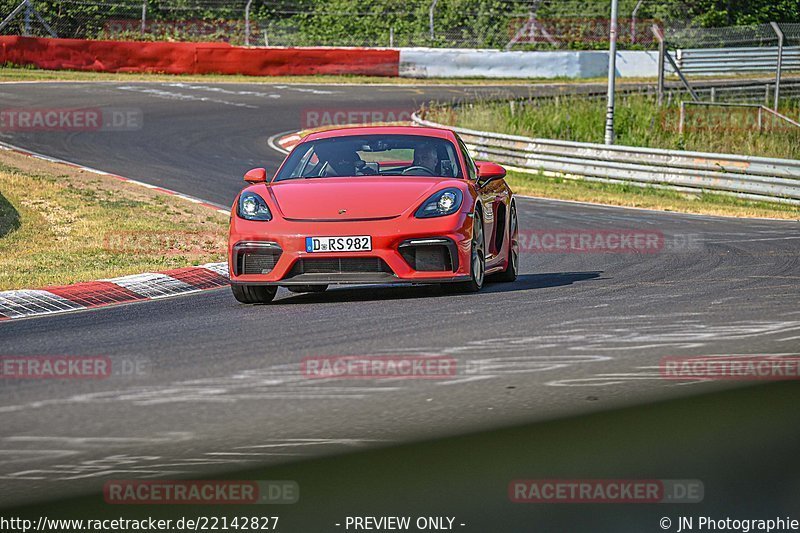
pixel 379 367
pixel 167 242
pixel 65 367
pixel 605 241
pixel 200 492
pixel 343 116
pixel 733 368
pixel 606 491
pixel 106 119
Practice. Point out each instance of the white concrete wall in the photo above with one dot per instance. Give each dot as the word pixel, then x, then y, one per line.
pixel 467 63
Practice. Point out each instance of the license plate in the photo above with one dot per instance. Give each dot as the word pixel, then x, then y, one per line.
pixel 357 243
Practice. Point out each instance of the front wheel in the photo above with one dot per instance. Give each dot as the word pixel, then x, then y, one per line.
pixel 477 261
pixel 254 294
pixel 512 263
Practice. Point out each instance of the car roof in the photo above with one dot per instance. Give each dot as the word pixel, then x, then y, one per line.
pixel 439 133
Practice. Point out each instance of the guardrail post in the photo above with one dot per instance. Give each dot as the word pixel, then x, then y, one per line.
pixel 778 67
pixel 760 113
pixel 682 118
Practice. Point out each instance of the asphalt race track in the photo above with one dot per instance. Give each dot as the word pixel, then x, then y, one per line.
pixel 220 387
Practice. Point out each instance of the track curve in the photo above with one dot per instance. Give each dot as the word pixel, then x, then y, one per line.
pixel 221 387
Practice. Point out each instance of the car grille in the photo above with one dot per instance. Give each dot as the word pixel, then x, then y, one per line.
pixel 340 265
pixel 429 258
pixel 256 258
pixel 258 263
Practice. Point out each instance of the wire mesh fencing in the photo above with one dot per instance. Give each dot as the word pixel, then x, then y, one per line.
pixel 492 24
pixel 497 24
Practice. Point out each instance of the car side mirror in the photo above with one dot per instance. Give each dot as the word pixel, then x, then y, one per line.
pixel 256 175
pixel 489 172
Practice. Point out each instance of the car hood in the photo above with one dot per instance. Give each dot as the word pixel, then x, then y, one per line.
pixel 360 197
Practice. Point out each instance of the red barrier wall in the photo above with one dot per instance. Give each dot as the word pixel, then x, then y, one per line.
pixel 194 58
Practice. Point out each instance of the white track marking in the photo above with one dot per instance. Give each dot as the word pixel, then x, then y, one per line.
pixel 170 95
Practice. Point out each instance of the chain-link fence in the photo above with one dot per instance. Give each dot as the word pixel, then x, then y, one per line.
pixel 756 35
pixel 498 24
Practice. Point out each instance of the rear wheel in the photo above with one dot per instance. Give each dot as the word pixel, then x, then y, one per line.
pixel 254 294
pixel 477 262
pixel 512 268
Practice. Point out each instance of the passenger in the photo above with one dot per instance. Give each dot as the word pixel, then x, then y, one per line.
pixel 341 161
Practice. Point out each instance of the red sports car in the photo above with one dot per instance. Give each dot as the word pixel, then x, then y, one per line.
pixel 373 205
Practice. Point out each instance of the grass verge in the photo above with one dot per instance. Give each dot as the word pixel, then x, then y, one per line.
pixel 639 121
pixel 645 197
pixel 61 225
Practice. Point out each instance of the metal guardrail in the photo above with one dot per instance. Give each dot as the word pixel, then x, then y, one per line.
pixel 755 178
pixel 727 60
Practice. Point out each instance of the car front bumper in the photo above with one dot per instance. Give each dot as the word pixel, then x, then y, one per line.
pixel 404 250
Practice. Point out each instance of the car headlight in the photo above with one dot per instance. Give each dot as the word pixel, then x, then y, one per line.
pixel 444 202
pixel 253 207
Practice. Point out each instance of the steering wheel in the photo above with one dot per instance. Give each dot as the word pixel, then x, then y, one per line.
pixel 427 171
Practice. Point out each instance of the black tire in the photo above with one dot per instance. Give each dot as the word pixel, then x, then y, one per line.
pixel 254 294
pixel 477 271
pixel 512 268
pixel 306 288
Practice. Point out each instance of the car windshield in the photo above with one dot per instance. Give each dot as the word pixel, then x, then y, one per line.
pixel 372 155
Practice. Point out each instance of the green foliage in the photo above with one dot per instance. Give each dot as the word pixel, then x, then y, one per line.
pixel 486 23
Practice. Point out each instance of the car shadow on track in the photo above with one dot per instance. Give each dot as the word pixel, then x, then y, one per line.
pixel 542 281
pixel 388 292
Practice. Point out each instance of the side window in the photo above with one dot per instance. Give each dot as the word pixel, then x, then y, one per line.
pixel 472 171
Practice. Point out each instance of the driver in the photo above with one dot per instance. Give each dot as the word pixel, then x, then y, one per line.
pixel 425 157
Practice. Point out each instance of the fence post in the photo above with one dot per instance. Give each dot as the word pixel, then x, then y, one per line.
pixel 391 36
pixel 760 113
pixel 661 51
pixel 612 73
pixel 13 14
pixel 682 118
pixel 779 33
pixel 27 18
pixel 247 23
pixel 430 17
pixel 633 21
pixel 144 17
